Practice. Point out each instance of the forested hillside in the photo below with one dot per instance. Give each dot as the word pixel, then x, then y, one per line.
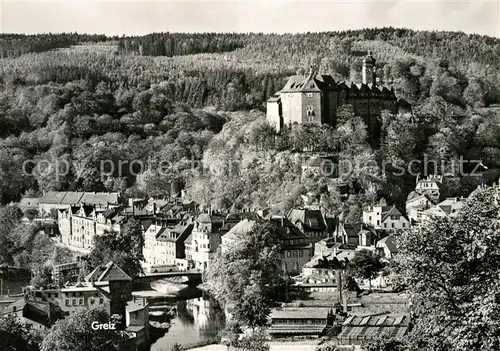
pixel 164 96
pixel 14 45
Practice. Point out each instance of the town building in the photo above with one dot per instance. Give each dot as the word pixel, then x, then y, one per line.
pixel 297 250
pixel 432 186
pixel 359 329
pixel 311 222
pixel 205 239
pixel 35 314
pixel 316 98
pixel 387 247
pixel 416 204
pixel 107 286
pixel 385 217
pixel 59 200
pixel 78 225
pixel 447 208
pixel 300 321
pixel 164 246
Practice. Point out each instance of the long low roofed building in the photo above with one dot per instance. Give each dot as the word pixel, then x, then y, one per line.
pixel 60 200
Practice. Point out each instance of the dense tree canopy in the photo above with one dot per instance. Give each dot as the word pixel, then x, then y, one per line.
pixel 451 269
pixel 123 248
pixel 65 112
pixel 246 275
pixel 366 265
pixel 16 336
pixel 74 333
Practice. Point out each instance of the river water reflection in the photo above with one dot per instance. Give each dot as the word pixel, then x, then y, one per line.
pixel 197 320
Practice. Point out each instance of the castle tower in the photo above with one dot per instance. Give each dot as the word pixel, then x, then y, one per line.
pixel 368 71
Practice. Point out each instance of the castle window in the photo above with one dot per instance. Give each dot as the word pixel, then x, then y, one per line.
pixel 310 95
pixel 310 110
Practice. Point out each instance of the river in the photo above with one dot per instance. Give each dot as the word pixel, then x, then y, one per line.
pixel 197 320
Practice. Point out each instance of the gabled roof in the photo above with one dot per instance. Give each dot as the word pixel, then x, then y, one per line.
pixel 240 230
pixel 87 210
pixel 99 198
pixel 375 326
pixel 109 272
pixel 236 217
pixel 274 98
pixel 390 242
pixel 392 211
pixel 287 229
pixel 180 233
pixel 209 218
pixel 300 313
pixel 414 196
pixel 311 220
pixel 72 198
pixel 351 229
pixel 110 213
pixel 34 313
pixel 52 197
pixel 451 205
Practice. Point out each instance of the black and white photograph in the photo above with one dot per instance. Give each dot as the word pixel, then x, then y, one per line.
pixel 249 175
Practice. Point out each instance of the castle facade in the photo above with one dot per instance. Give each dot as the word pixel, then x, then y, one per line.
pixel 316 98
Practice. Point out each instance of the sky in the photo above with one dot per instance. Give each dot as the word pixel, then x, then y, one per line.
pixel 139 17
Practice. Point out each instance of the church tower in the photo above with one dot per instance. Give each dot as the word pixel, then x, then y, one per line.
pixel 368 71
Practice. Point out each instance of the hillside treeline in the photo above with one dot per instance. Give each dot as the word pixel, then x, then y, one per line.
pixel 14 45
pixel 85 106
pixel 175 44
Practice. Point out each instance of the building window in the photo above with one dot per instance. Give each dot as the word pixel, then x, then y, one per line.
pixel 73 302
pixel 378 222
pixel 385 225
pixel 67 303
pixel 80 302
pixel 404 225
pixel 101 301
pixel 288 254
pixel 309 95
pixel 392 225
pixel 310 110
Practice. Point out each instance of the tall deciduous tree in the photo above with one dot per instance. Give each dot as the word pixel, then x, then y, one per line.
pixel 75 333
pixel 451 267
pixel 366 265
pixel 16 336
pixel 247 274
pixel 123 248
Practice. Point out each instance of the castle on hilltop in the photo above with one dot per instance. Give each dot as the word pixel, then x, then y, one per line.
pixel 315 98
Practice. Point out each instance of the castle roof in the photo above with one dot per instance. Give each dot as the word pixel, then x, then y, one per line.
pixel 369 59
